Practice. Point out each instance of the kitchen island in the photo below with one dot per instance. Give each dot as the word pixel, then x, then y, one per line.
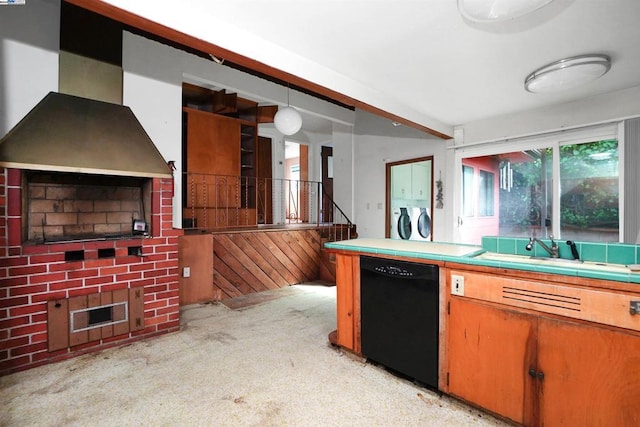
pixel 534 340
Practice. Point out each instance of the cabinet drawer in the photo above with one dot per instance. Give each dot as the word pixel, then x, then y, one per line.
pixel 605 307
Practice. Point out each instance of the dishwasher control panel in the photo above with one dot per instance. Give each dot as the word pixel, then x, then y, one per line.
pixel 391 270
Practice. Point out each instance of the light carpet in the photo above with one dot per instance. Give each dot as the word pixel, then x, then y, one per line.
pixel 262 365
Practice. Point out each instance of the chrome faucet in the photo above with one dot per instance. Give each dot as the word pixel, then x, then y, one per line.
pixel 553 251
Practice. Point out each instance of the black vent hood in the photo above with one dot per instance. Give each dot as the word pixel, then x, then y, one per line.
pixel 66 133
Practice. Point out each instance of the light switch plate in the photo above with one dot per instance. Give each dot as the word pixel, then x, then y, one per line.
pixel 186 272
pixel 457 285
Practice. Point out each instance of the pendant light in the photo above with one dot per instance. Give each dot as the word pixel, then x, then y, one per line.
pixel 287 120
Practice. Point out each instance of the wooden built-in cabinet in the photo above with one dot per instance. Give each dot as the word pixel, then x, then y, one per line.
pixel 248 164
pixel 538 349
pixel 196 253
pixel 213 143
pixel 540 368
pixel 348 301
pixel 222 158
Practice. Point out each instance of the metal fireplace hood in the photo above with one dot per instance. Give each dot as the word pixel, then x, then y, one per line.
pixel 66 133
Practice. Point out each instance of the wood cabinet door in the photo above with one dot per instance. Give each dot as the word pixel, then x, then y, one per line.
pixel 401 182
pixel 421 181
pixel 196 252
pixel 489 353
pixel 213 144
pixel 591 375
pixel 348 301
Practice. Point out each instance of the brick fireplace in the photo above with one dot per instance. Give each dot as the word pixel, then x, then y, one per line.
pixel 74 276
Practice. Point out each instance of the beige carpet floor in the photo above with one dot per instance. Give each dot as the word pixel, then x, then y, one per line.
pixel 268 364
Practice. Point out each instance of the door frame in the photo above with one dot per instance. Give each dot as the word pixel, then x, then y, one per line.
pixel 388 187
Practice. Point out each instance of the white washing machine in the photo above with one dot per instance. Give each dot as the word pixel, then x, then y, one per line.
pixel 420 223
pixel 401 227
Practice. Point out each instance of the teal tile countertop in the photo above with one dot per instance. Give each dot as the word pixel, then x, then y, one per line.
pixel 408 248
pixel 606 261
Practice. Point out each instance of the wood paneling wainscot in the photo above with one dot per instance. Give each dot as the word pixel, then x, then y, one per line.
pixel 255 261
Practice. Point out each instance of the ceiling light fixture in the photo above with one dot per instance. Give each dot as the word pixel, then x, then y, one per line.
pixel 497 10
pixel 287 120
pixel 567 73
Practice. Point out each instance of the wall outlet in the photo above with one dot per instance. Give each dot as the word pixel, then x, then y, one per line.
pixel 186 272
pixel 457 285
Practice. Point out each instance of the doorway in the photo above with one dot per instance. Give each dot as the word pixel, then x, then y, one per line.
pixel 326 154
pixel 409 199
pixel 296 175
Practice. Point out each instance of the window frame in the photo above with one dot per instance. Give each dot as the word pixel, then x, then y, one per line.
pixel 551 140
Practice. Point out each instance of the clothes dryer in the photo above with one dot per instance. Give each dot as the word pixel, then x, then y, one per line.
pixel 420 224
pixel 401 226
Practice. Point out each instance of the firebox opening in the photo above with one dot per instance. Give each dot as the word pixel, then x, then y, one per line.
pixel 100 315
pixel 62 206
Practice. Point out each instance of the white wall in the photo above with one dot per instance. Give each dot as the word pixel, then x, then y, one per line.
pixel 343 169
pixel 609 107
pixel 29 46
pixel 371 153
pixel 152 88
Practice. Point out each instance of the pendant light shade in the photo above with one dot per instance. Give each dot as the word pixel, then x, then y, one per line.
pixel 497 10
pixel 567 73
pixel 287 120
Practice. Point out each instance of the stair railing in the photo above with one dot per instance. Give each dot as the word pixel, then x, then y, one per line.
pixel 212 202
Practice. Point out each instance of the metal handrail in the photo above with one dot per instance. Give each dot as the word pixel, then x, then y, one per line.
pixel 213 202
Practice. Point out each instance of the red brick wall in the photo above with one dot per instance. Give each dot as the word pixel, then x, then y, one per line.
pixel 31 275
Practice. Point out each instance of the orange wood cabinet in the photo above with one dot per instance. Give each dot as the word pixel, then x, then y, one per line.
pixel 213 143
pixel 196 254
pixel 541 369
pixel 489 352
pixel 348 301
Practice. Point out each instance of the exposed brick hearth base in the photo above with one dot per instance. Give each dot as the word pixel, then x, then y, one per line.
pixel 31 275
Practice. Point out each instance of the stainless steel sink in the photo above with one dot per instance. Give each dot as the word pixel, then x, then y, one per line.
pixel 573 264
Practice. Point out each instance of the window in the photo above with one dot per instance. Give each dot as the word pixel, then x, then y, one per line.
pixel 525 202
pixel 485 196
pixel 467 191
pixel 565 188
pixel 589 202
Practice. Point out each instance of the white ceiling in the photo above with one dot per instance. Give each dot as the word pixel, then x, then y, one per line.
pixel 418 59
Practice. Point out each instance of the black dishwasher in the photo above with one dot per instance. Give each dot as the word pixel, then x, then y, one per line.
pixel 400 317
